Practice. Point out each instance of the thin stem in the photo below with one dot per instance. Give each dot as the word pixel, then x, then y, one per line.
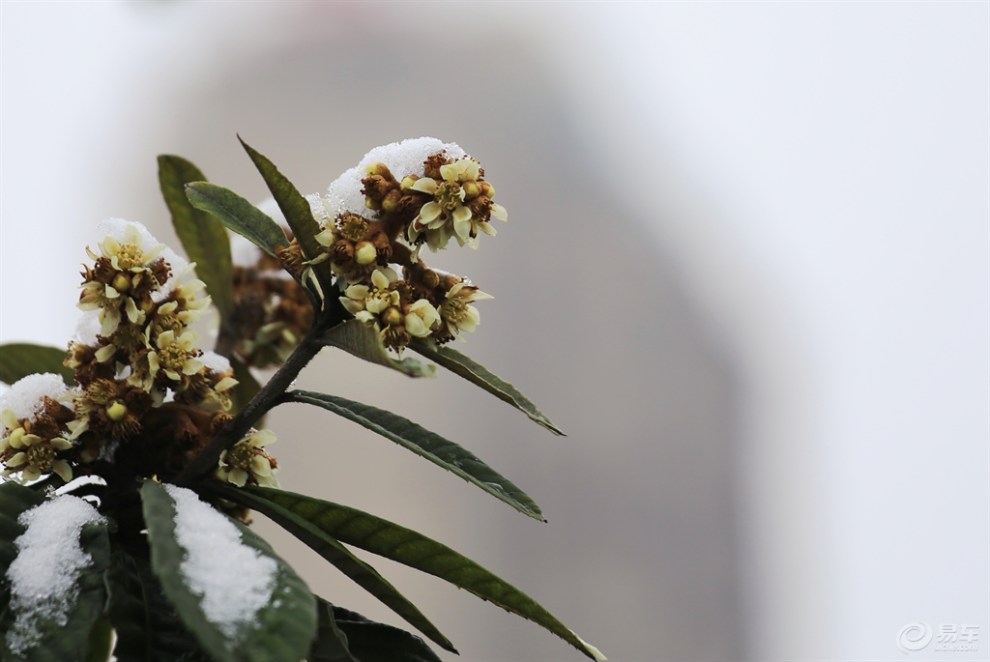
pixel 259 405
pixel 271 393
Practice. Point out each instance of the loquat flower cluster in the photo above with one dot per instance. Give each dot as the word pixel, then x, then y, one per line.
pixel 146 396
pixel 401 197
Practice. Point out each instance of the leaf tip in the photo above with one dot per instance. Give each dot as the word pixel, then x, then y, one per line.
pixel 590 650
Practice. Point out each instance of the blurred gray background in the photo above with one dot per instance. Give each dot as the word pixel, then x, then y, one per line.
pixel 745 269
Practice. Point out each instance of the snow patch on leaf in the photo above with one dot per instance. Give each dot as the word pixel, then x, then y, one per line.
pixel 43 578
pixel 234 580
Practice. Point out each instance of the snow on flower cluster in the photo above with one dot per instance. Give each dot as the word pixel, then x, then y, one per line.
pixel 142 381
pixel 378 215
pixel 345 194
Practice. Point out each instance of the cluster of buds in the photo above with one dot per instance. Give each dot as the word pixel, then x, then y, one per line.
pixel 145 298
pixel 37 429
pixel 271 312
pixel 376 219
pixel 145 392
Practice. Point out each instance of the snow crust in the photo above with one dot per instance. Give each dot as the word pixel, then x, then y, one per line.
pixel 402 158
pixel 215 362
pixel 125 231
pixel 25 396
pixel 49 559
pixel 234 580
pixel 88 327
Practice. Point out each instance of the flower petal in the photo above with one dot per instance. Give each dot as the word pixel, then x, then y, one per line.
pixel 237 477
pixel 62 468
pixel 461 214
pixel 425 185
pixel 429 212
pixel 16 460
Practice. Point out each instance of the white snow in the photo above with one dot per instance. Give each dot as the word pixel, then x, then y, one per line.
pixel 322 212
pixel 44 574
pixel 81 481
pixel 25 396
pixel 125 231
pixel 88 327
pixel 215 362
pixel 402 158
pixel 233 580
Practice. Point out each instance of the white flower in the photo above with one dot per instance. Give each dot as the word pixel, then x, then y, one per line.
pixel 29 454
pixel 420 318
pixel 447 211
pixel 175 355
pixel 367 302
pixel 246 461
pixel 456 312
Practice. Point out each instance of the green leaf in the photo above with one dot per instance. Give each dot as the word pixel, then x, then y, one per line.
pixel 280 630
pixel 415 550
pixel 330 644
pixel 359 339
pixel 19 360
pixel 203 237
pixel 330 549
pixel 374 642
pixel 14 500
pixel 147 626
pixel 292 203
pixel 61 637
pixel 100 641
pixel 238 214
pixel 433 447
pixel 479 375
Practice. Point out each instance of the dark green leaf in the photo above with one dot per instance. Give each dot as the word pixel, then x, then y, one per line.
pixel 203 237
pixel 359 339
pixel 433 447
pixel 281 630
pixel 330 644
pixel 100 641
pixel 19 360
pixel 330 549
pixel 375 642
pixel 62 637
pixel 147 627
pixel 293 205
pixel 14 500
pixel 477 374
pixel 238 214
pixel 415 550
